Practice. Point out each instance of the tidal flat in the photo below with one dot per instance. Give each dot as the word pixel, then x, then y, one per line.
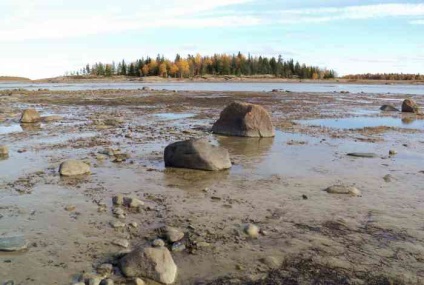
pixel 306 235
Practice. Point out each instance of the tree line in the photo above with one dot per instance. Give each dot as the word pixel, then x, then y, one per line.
pixel 385 76
pixel 218 64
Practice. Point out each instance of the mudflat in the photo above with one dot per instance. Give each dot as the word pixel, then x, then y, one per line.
pixel 267 220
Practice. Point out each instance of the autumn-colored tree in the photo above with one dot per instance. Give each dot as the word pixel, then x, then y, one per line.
pixel 173 70
pixel 145 70
pixel 183 67
pixel 162 70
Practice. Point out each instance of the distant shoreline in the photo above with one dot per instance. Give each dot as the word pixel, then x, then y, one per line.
pixel 208 79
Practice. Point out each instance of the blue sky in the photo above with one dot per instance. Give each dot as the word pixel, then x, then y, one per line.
pixel 44 38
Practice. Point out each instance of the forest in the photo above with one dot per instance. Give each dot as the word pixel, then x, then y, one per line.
pixel 385 76
pixel 218 64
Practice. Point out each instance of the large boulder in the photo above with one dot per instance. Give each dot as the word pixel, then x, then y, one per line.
pixel 196 154
pixel 30 116
pixel 73 167
pixel 155 263
pixel 410 106
pixel 244 120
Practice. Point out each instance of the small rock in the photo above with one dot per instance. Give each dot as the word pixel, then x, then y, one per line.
pixel 79 283
pixel 70 208
pixel 118 212
pixel 410 106
pixel 158 243
pixel 107 282
pixel 121 242
pixel 117 224
pixel 392 152
pixel 252 230
pixel 74 167
pixel 178 246
pixel 134 202
pixel 4 150
pixel 136 281
pixel 133 224
pixel 389 108
pixel 304 197
pixel 105 269
pixel 94 281
pixel 14 243
pixel 118 200
pixel 172 234
pixel 341 189
pixel 388 178
pixel 272 262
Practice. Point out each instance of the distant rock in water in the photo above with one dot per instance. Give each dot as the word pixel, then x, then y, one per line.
pixel 146 88
pixel 244 120
pixel 30 116
pixel 389 108
pixel 196 154
pixel 341 189
pixel 362 154
pixel 409 106
pixel 74 167
pixel 4 151
pixel 14 243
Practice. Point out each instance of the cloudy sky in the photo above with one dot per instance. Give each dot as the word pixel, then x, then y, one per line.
pixel 44 38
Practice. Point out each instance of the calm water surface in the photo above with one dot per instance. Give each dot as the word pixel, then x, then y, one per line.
pixel 219 86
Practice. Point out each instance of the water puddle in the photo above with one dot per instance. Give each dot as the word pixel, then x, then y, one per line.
pixel 174 116
pixel 10 129
pixel 362 122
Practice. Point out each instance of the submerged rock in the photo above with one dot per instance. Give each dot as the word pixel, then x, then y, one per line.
pixel 30 116
pixel 155 263
pixel 389 108
pixel 341 189
pixel 14 243
pixel 363 154
pixel 409 106
pixel 244 120
pixel 74 167
pixel 196 154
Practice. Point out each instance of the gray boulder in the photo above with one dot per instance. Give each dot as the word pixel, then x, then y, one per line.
pixel 155 263
pixel 389 108
pixel 73 167
pixel 244 120
pixel 196 154
pixel 30 116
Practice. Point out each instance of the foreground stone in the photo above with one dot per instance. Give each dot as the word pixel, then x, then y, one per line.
pixel 409 106
pixel 155 263
pixel 389 108
pixel 30 116
pixel 252 230
pixel 341 189
pixel 172 234
pixel 14 243
pixel 363 154
pixel 196 154
pixel 74 167
pixel 244 120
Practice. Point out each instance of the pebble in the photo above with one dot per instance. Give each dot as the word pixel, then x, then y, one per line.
pixel 70 208
pixel 118 200
pixel 105 269
pixel 4 150
pixel 178 247
pixel 94 281
pixel 173 234
pixel 117 224
pixel 158 243
pixel 136 281
pixel 272 262
pixel 107 282
pixel 133 224
pixel 252 230
pixel 362 154
pixel 392 152
pixel 388 178
pixel 119 212
pixel 134 202
pixel 121 242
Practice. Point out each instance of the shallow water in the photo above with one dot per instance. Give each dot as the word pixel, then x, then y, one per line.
pixel 363 122
pixel 231 86
pixel 174 116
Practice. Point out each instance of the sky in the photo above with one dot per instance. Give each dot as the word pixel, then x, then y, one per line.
pixel 46 38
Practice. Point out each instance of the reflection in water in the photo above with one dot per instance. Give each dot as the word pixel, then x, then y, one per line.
pixel 363 122
pixel 10 129
pixel 193 179
pixel 249 147
pixel 408 120
pixel 30 127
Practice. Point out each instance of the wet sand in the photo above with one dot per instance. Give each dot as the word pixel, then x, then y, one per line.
pixel 377 238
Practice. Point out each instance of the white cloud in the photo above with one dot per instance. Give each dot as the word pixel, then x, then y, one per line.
pixel 350 13
pixel 49 20
pixel 417 22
